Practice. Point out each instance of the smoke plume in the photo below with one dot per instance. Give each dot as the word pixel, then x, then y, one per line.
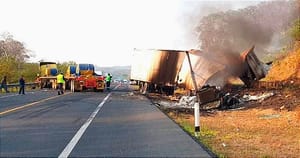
pixel 224 35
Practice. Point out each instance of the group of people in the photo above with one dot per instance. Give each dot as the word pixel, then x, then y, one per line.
pixel 21 84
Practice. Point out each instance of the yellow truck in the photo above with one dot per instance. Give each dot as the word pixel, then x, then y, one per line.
pixel 47 76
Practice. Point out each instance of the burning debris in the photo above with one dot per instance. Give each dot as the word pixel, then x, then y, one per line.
pixel 252 71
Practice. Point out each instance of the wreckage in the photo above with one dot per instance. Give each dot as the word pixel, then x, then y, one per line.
pixel 163 70
pixel 253 68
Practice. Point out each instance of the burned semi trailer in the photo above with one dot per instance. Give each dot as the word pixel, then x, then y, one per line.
pixel 203 66
pixel 156 70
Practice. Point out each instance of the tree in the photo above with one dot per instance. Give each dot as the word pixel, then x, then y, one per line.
pixel 62 67
pixel 8 68
pixel 12 48
pixel 235 31
pixel 13 55
pixel 30 71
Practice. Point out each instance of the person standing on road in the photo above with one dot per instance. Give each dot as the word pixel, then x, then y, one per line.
pixel 4 84
pixel 108 80
pixel 22 85
pixel 60 82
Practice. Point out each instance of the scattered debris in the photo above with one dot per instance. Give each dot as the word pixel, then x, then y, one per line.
pixel 225 100
pixel 230 101
pixel 164 104
pixel 186 101
pixel 209 94
pixel 259 98
pixel 223 144
pixel 173 98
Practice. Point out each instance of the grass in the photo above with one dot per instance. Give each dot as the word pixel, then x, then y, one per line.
pixel 244 133
pixel 206 136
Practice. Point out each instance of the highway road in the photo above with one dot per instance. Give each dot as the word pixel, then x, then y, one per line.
pixel 114 123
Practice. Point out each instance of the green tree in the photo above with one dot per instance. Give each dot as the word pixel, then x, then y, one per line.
pixel 30 71
pixel 62 67
pixel 8 68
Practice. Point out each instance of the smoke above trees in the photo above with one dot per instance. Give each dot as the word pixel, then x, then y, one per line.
pixel 223 33
pixel 234 31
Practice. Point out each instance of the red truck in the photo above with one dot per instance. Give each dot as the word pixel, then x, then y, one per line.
pixel 84 77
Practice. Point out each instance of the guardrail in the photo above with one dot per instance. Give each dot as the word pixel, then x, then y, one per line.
pixel 15 87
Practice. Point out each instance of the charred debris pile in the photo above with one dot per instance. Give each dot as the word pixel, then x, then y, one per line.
pixel 217 92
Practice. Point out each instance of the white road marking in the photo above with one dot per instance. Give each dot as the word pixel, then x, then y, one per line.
pixel 6 96
pixel 68 149
pixel 12 95
pixel 117 86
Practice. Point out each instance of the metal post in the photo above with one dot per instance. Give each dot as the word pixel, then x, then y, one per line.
pixel 72 85
pixel 54 83
pixel 196 105
pixel 197 118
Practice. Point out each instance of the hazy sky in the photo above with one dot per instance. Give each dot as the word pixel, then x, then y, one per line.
pixel 102 32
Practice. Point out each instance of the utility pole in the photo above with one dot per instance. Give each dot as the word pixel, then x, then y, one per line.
pixel 196 105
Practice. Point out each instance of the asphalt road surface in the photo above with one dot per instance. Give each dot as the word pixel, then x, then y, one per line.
pixel 113 123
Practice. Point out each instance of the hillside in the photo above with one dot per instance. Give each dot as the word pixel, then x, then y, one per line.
pixel 118 72
pixel 287 67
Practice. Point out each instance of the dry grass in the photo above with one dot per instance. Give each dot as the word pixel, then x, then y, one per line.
pixel 288 67
pixel 255 132
pixel 269 129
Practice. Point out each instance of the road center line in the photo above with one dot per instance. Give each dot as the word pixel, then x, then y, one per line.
pixel 68 149
pixel 27 105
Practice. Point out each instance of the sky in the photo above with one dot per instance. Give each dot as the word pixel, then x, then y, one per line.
pixel 104 32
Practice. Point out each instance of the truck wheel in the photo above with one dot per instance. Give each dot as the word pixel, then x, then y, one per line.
pixel 95 90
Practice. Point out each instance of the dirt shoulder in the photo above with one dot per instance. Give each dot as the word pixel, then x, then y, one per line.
pixel 265 128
